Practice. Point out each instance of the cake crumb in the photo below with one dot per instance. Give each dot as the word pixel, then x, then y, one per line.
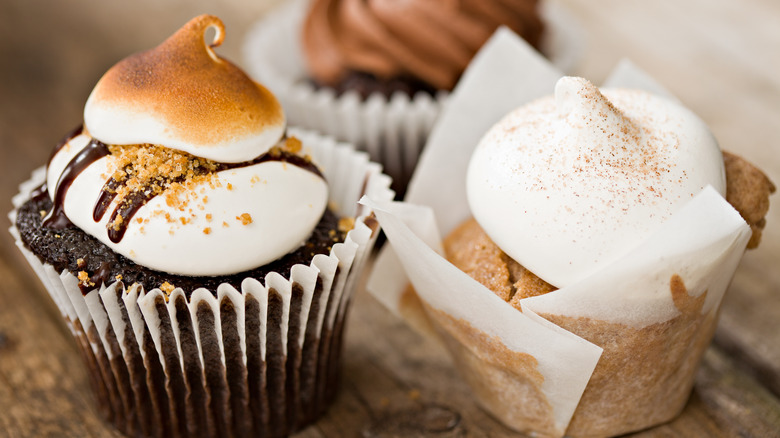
pixel 80 263
pixel 167 288
pixel 346 224
pixel 84 279
pixel 118 277
pixel 208 217
pixel 225 224
pixel 292 145
pixel 207 230
pixel 42 213
pixel 117 223
pixel 154 169
pixel 245 218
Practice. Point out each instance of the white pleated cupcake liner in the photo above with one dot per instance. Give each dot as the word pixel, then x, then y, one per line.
pixel 259 361
pixel 393 131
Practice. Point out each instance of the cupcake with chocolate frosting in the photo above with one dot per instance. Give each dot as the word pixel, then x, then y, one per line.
pixel 202 254
pixel 411 46
pixel 377 73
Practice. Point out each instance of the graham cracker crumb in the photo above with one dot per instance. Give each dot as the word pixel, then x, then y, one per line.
pixel 207 230
pixel 208 217
pixel 116 224
pixel 84 279
pixel 292 145
pixel 245 218
pixel 154 169
pixel 346 224
pixel 167 288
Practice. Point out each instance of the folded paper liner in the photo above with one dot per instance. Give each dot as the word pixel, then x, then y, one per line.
pixel 645 320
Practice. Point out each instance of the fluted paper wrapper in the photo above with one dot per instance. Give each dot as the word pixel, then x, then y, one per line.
pixel 614 353
pixel 393 131
pixel 259 361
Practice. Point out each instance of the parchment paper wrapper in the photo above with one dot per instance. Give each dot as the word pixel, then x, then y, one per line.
pixel 394 130
pixel 614 353
pixel 260 361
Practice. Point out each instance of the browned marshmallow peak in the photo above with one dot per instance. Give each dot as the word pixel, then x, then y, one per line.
pixel 432 41
pixel 182 95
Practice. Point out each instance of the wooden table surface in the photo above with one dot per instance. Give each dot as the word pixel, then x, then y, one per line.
pixel 721 58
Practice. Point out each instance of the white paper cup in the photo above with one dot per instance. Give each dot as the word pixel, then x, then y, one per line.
pixel 259 361
pixel 393 131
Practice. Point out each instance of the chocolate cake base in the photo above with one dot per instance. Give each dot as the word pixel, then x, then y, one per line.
pixel 260 361
pixel 365 84
pixel 73 249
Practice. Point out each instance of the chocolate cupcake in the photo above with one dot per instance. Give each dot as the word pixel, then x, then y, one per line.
pixel 377 74
pixel 202 254
pixel 591 236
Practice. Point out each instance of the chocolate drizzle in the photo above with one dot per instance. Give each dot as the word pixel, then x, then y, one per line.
pixel 129 206
pixel 94 151
pixel 276 155
pixel 107 194
pixel 126 210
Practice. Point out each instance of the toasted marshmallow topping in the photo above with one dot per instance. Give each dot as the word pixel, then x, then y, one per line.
pixel 183 95
pixel 568 184
pixel 180 167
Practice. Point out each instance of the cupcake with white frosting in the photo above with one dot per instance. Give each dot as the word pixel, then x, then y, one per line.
pixel 202 254
pixel 587 240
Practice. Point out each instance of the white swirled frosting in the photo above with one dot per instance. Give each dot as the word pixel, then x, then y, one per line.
pixel 182 96
pixel 568 184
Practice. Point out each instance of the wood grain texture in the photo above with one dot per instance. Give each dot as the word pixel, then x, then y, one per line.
pixel 720 58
